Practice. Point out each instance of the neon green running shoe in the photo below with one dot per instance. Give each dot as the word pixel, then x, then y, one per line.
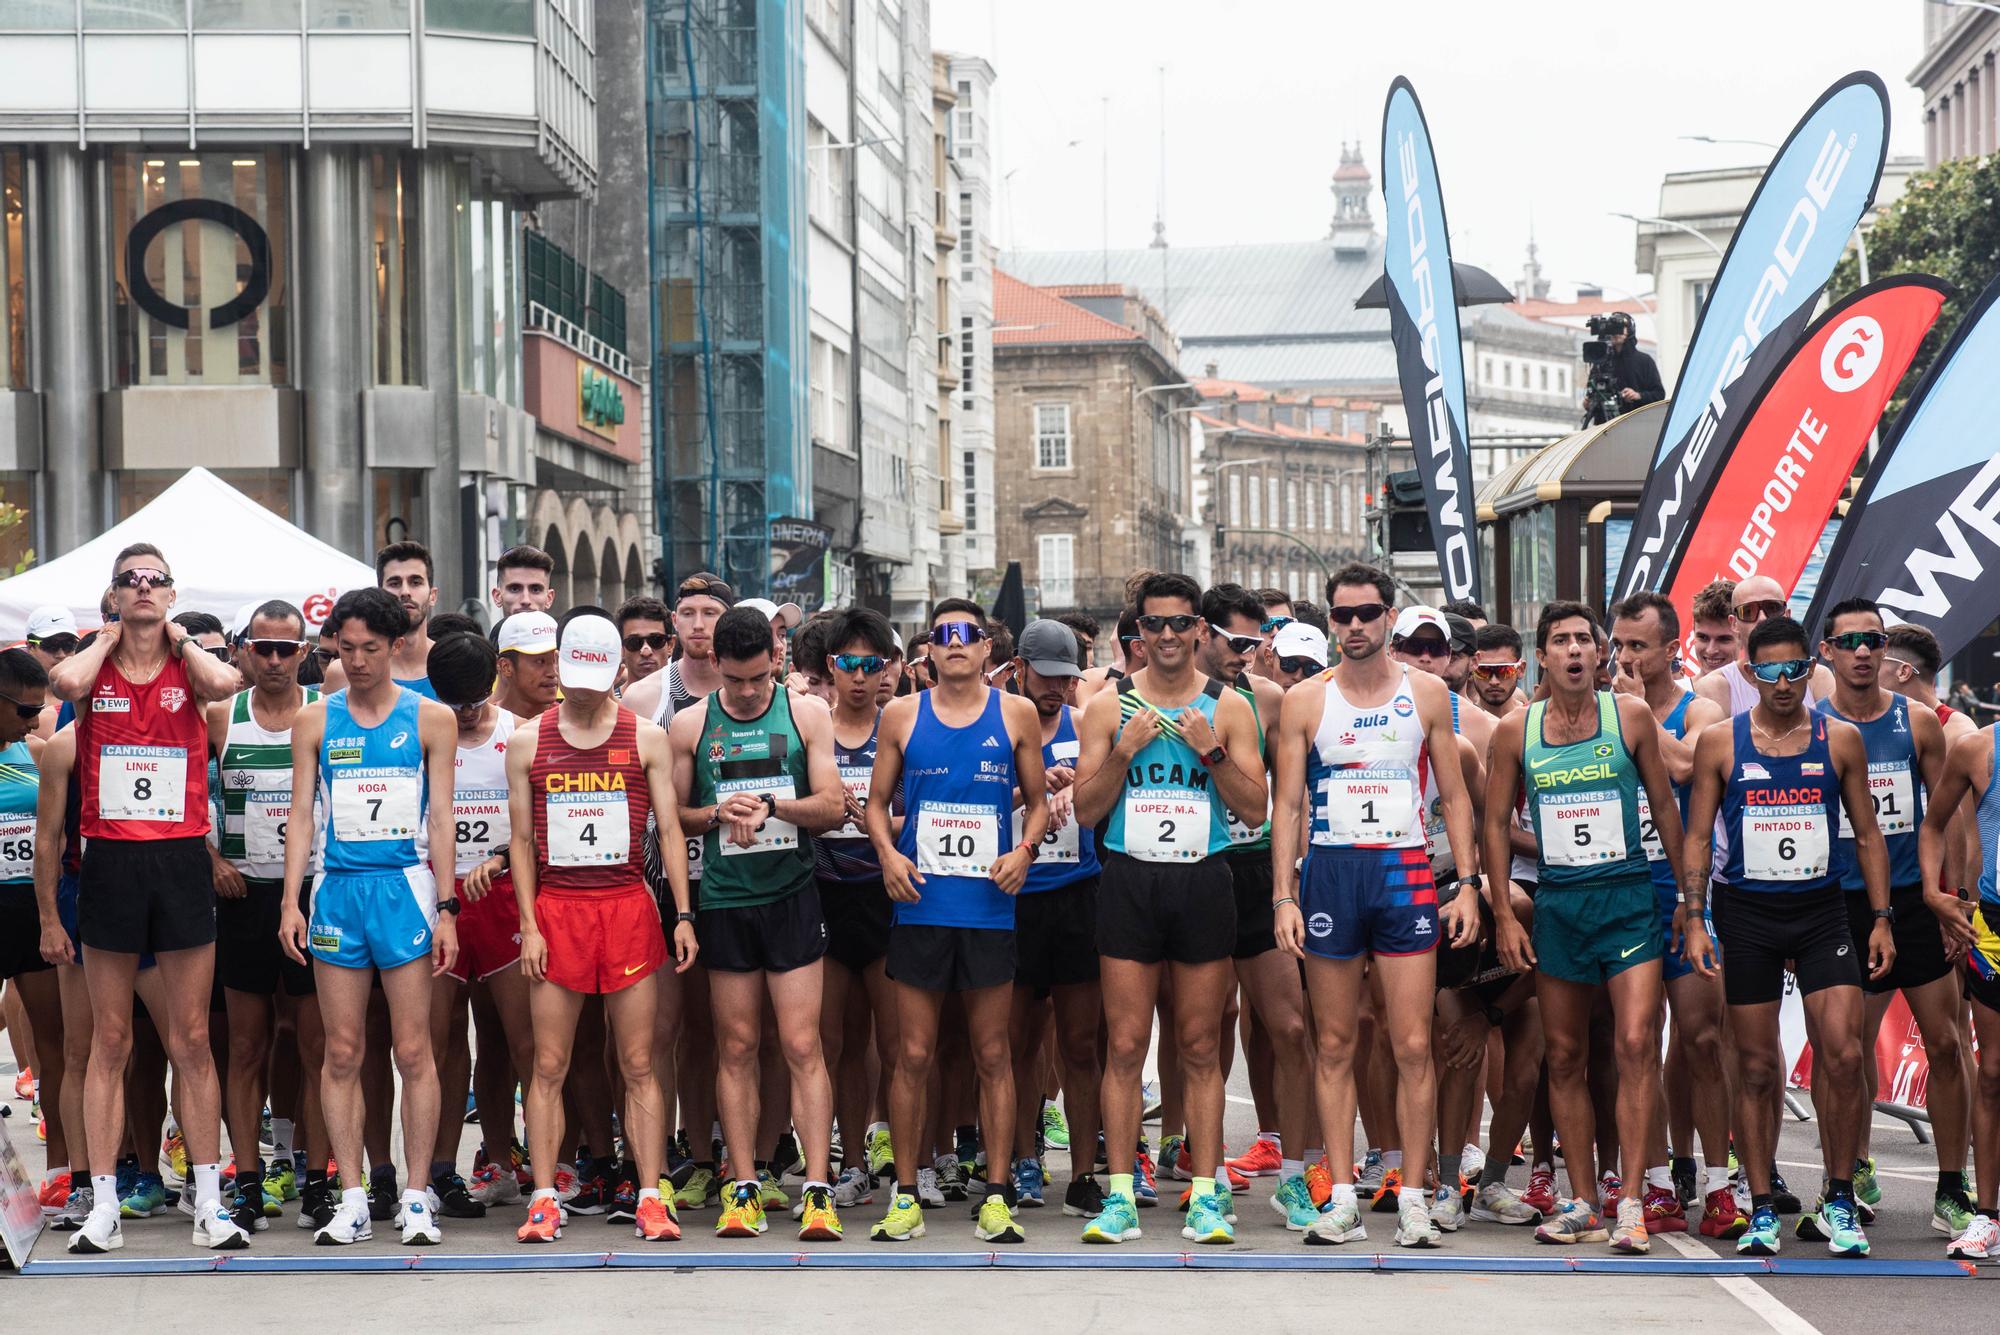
pixel 1843 1229
pixel 904 1221
pixel 1118 1221
pixel 1207 1221
pixel 881 1156
pixel 1294 1203
pixel 1866 1189
pixel 1055 1127
pixel 282 1179
pixel 996 1222
pixel 1761 1238
pixel 774 1195
pixel 1949 1214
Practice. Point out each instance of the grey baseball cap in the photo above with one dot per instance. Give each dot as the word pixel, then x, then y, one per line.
pixel 1049 648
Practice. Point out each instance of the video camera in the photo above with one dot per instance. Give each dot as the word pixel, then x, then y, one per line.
pixel 1601 401
pixel 1602 326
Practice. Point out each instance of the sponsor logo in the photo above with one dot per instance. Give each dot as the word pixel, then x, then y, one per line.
pixel 1320 925
pixel 114 705
pixel 1348 739
pixel 1752 770
pixel 1423 927
pixel 1841 953
pixel 634 969
pixel 172 698
pixel 397 741
pixel 1849 359
pixel 1978 507
pixel 343 755
pixel 1544 761
pixel 990 741
pixel 1372 721
pixel 1404 706
pixel 1575 774
pixel 1627 952
pixel 324 938
pixel 418 939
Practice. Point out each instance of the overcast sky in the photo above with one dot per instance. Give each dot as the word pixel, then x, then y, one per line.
pixel 1556 108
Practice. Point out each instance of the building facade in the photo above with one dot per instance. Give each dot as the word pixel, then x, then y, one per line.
pixel 1093 472
pixel 971 264
pixel 1957 78
pixel 284 240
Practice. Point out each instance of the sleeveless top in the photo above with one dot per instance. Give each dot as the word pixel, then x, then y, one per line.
pixel 958 799
pixel 1584 801
pixel 1649 835
pixel 755 756
pixel 373 792
pixel 1366 772
pixel 590 806
pixel 256 770
pixel 1068 855
pixel 1895 790
pixel 142 757
pixel 20 783
pixel 1169 811
pixel 1989 829
pixel 1781 813
pixel 1436 847
pixel 1244 838
pixel 1743 689
pixel 483 823
pixel 846 854
pixel 421 685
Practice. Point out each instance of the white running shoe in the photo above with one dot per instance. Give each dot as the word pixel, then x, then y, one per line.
pixel 1471 1162
pixel 495 1188
pixel 100 1233
pixel 1340 1221
pixel 1979 1242
pixel 418 1220
pixel 215 1230
pixel 1447 1209
pixel 1495 1204
pixel 350 1224
pixel 929 1194
pixel 853 1188
pixel 1414 1227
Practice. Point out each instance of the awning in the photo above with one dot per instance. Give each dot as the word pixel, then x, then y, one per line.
pixel 1605 462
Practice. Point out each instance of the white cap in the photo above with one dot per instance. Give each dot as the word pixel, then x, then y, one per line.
pixel 243 618
pixel 1299 640
pixel 788 615
pixel 590 656
pixel 1413 619
pixel 528 633
pixel 46 621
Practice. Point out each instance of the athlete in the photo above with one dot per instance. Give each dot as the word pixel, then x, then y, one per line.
pixel 526 683
pixel 52 637
pixel 251 737
pixel 1359 741
pixel 645 630
pixel 1496 671
pixel 146 884
pixel 1712 644
pixel 581 781
pixel 29 976
pixel 960 752
pixel 379 755
pixel 524 581
pixel 1129 656
pixel 1298 651
pixel 1732 686
pixel 1780 777
pixel 1163 757
pixel 403 570
pixel 699 603
pixel 1906 758
pixel 755 775
pixel 1584 756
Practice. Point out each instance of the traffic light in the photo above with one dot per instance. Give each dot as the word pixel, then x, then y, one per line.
pixel 1409 517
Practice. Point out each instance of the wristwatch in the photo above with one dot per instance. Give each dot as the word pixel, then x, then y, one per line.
pixel 683 917
pixel 1033 850
pixel 451 906
pixel 1215 757
pixel 770 805
pixel 1887 915
pixel 1494 1015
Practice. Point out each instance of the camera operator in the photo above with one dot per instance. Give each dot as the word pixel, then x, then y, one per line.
pixel 1621 376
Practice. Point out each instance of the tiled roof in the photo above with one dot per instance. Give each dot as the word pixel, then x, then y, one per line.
pixel 1540 308
pixel 1038 315
pixel 1222 389
pixel 1089 289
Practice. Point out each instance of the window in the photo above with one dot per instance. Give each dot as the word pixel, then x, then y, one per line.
pixel 1312 516
pixel 1697 291
pixel 1347 507
pixel 967 354
pixel 826 16
pixel 1235 500
pixel 971 474
pixel 967 261
pixel 1326 502
pixel 247 14
pixel 1057 568
pixel 1292 506
pixel 1507 373
pixel 829 395
pixel 1545 379
pixel 967 132
pixel 1256 504
pixel 1052 435
pixel 1271 499
pixel 393 223
pixel 513 18
pixel 827 166
pixel 13 283
pixel 358 14
pixel 1486 369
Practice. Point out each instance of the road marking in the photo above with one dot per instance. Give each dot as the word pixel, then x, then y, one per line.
pixel 1781 1319
pixel 1905 1173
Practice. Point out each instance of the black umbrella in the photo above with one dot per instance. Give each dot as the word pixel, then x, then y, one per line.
pixel 1476 287
pixel 1010 607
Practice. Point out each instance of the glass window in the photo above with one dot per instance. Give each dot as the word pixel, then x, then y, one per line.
pixel 1507 373
pixel 970 469
pixel 506 18
pixel 1271 498
pixel 147 14
pixel 247 14
pixel 1052 435
pixel 1312 512
pixel 392 218
pixel 399 504
pixel 203 239
pixel 1256 504
pixel 1057 569
pixel 45 14
pixel 1545 379
pixel 1235 500
pixel 1292 506
pixel 490 290
pixel 358 13
pixel 13 273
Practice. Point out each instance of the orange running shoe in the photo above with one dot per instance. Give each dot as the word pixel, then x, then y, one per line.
pixel 544 1222
pixel 1262 1159
pixel 819 1222
pixel 656 1221
pixel 54 1193
pixel 1319 1182
pixel 24 1084
pixel 1388 1200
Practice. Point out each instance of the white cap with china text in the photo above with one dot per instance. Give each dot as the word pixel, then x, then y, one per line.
pixel 589 656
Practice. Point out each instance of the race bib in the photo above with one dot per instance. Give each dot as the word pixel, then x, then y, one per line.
pixel 266 816
pixel 1582 829
pixel 773 834
pixel 1785 843
pixel 1649 834
pixel 368 808
pixel 1366 806
pixel 1239 833
pixel 482 824
pixel 1166 826
pixel 17 847
pixel 1893 792
pixel 854 781
pixel 1058 846
pixel 142 783
pixel 957 839
pixel 695 845
pixel 588 829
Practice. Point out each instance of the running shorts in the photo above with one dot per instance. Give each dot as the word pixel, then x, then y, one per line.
pixel 1368 901
pixel 600 941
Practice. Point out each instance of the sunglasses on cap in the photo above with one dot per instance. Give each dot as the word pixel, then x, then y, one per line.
pixel 654 640
pixel 1761 609
pixel 56 644
pixel 275 648
pixel 1299 666
pixel 132 579
pixel 22 709
pixel 1858 639
pixel 1785 669
pixel 1238 644
pixel 705 588
pixel 1424 647
pixel 1362 612
pixel 1271 625
pixel 866 664
pixel 958 632
pixel 1498 671
pixel 1179 624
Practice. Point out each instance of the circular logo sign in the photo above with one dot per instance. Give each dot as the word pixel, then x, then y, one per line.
pixel 1320 925
pixel 256 284
pixel 1850 357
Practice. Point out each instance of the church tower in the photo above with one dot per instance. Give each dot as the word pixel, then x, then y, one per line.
pixel 1353 188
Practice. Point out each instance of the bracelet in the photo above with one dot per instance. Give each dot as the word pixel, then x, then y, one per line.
pixel 1286 900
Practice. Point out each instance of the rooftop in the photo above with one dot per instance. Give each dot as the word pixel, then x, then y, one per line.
pixel 1025 315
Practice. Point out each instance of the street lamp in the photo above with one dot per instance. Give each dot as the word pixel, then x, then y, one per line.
pixel 1162 389
pixel 1860 242
pixel 1669 222
pixel 1968 4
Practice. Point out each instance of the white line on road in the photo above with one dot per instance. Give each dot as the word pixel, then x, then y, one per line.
pixel 1912 1175
pixel 1781 1319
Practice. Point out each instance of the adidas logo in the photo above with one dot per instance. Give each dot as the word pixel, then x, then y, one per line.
pixel 991 741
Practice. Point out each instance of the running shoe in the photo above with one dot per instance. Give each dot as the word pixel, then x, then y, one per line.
pixel 1630 1236
pixel 99 1232
pixel 904 1221
pixel 54 1193
pixel 1145 1185
pixel 174 1157
pixel 282 1179
pixel 1388 1199
pixel 1083 1199
pixel 1950 1214
pixel 1223 1194
pixel 1028 1183
pixel 1843 1229
pixel 996 1222
pixel 1471 1162
pixel 1609 1188
pixel 1979 1242
pixel 455 1200
pixel 1319 1183
pixel 1494 1204
pixel 593 1197
pixel 419 1223
pixel 316 1205
pixel 248 1206
pixel 818 1221
pixel 1867 1191
pixel 1447 1209
pixel 773 1194
pixel 568 1184
pixel 1236 1180
pixel 1760 1238
pixel 853 1188
pixel 544 1221
pixel 743 1217
pixel 1687 1182
pixel 1720 1218
pixel 624 1199
pixel 949 1175
pixel 881 1154
pixel 700 1192
pixel 492 1184
pixel 1055 1127
pixel 1294 1203
pixel 1149 1101
pixel 1174 1154
pixel 654 1219
pixel 41 1124
pixel 383 1197
pixel 1663 1211
pixel 1368 1176
pixel 1118 1221
pixel 1340 1221
pixel 350 1224
pixel 680 1163
pixel 1413 1226
pixel 1574 1222
pixel 74 1211
pixel 929 1194
pixel 147 1198
pixel 1262 1159
pixel 1783 1200
pixel 786 1161
pixel 1208 1221
pixel 1541 1193
pixel 24 1084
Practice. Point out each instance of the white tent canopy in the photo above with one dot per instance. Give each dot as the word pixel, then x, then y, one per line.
pixel 224 548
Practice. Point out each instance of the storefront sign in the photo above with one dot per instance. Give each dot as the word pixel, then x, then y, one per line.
pixel 798 562
pixel 600 403
pixel 256 284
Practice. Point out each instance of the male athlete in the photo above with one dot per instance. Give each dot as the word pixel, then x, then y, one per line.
pixel 1712 644
pixel 524 581
pixel 1496 670
pixel 404 571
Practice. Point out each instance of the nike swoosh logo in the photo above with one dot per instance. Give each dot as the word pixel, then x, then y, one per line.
pixel 1624 953
pixel 635 968
pixel 1543 762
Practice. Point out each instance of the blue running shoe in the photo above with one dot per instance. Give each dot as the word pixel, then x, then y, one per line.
pixel 1207 1222
pixel 1843 1229
pixel 1118 1221
pixel 1761 1239
pixel 147 1198
pixel 1294 1204
pixel 1028 1184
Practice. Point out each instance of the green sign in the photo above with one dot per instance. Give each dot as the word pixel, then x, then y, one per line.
pixel 600 403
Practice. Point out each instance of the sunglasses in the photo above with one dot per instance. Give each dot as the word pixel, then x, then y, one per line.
pixel 281 649
pixel 1271 625
pixel 56 644
pixel 866 664
pixel 957 632
pixel 325 656
pixel 1498 671
pixel 1424 648
pixel 1129 639
pixel 22 709
pixel 132 579
pixel 1785 669
pixel 702 588
pixel 1179 624
pixel 1300 666
pixel 1362 612
pixel 218 651
pixel 655 640
pixel 1858 639
pixel 1238 644
pixel 1762 610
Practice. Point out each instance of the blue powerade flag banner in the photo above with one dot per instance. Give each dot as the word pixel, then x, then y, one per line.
pixel 1792 234
pixel 1923 537
pixel 1423 324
